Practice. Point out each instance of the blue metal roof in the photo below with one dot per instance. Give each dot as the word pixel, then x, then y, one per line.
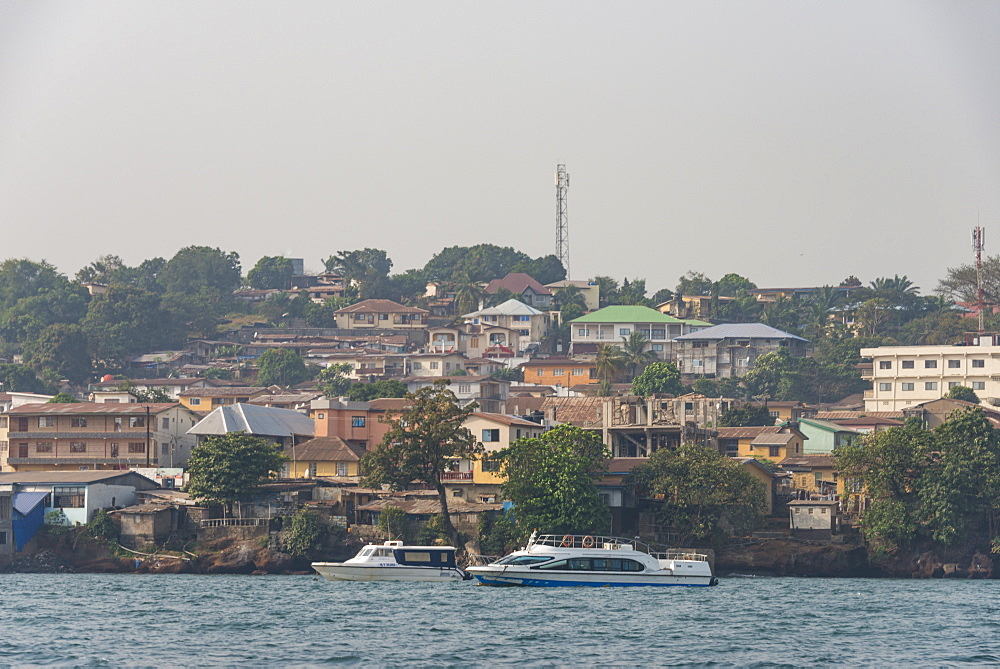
pixel 25 502
pixel 739 331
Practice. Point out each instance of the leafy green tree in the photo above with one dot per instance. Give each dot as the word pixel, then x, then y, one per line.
pixel 226 469
pixel 103 527
pixel 727 387
pixel 634 353
pixel 421 443
pixel 306 534
pixel 195 269
pixel 33 296
pixel 609 363
pixel 659 378
pixel 332 379
pixel 480 263
pixel 661 296
pixel 694 283
pixel 550 480
pixel 633 293
pixel 126 321
pixel 144 396
pixel 700 494
pixel 940 328
pixel 570 295
pixel 407 287
pixel 514 374
pixel 271 272
pixel 366 392
pixel 282 367
pixel 732 284
pixel 20 378
pixel 111 270
pixel 608 289
pixel 498 534
pixel 875 317
pixel 366 269
pixel 544 269
pixel 392 522
pixel 963 393
pixel 63 398
pixel 960 283
pixel 782 314
pixel 468 294
pixel 748 415
pixel 62 350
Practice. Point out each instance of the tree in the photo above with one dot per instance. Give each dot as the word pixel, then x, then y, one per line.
pixel 633 293
pixel 19 378
pixel 61 350
pixel 305 534
pixel 694 283
pixel 699 494
pixel 144 396
pixel 963 393
pixel 281 366
pixel 609 362
pixel 125 321
pixel 195 269
pixel 550 480
pixel 544 269
pixel 35 295
pixel 63 398
pixel 271 272
pixel 479 263
pixel 960 283
pixel 608 289
pixel 226 469
pixel 570 295
pixel 874 317
pixel 468 294
pixel 634 353
pixel 748 415
pixel 421 443
pixel 366 392
pixel 332 379
pixel 732 284
pixel 659 378
pixel 513 374
pixel 367 270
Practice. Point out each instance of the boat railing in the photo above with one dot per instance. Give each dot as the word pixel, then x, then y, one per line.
pixel 481 560
pixel 611 543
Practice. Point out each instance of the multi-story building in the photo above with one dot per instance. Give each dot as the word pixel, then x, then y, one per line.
pixel 904 376
pixel 357 423
pixel 487 392
pixel 530 291
pixel 75 436
pixel 729 350
pixel 381 314
pixel 527 323
pixel 613 325
pixel 206 400
pixel 559 372
pixel 112 391
pixel 590 291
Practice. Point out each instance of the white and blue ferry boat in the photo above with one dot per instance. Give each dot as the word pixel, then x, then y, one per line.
pixel 585 560
pixel 392 561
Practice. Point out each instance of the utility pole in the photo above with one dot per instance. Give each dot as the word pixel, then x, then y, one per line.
pixel 147 436
pixel 562 217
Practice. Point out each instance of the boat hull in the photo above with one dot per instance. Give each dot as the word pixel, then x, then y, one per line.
pixel 511 577
pixel 339 571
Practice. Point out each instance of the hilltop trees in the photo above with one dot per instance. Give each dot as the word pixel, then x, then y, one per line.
pixel 226 469
pixel 281 366
pixel 659 378
pixel 60 351
pixel 271 272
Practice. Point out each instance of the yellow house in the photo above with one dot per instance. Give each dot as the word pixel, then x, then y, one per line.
pixel 815 474
pixel 764 475
pixel 478 479
pixel 205 400
pixel 775 442
pixel 559 371
pixel 324 456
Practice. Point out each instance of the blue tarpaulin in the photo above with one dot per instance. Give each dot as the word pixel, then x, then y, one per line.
pixel 29 516
pixel 24 502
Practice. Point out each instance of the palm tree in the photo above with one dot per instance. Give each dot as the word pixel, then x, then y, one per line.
pixel 634 352
pixel 468 293
pixel 609 362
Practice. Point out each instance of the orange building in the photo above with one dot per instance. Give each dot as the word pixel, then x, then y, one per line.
pixel 357 423
pixel 565 372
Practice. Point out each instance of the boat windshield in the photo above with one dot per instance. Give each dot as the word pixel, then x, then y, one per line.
pixel 525 559
pixel 366 552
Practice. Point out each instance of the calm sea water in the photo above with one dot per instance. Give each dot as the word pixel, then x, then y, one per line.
pixel 117 620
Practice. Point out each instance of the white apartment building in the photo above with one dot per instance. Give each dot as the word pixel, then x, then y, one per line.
pixel 903 376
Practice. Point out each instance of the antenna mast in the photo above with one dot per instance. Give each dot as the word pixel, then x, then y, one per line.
pixel 977 244
pixel 562 217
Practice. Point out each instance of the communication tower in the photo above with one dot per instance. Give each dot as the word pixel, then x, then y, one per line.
pixel 562 217
pixel 978 235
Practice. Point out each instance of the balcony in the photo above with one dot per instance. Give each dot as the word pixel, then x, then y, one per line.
pixel 456 476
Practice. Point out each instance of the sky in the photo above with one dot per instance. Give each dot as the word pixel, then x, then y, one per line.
pixel 795 143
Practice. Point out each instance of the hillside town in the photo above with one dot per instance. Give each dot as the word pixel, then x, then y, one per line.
pixel 100 416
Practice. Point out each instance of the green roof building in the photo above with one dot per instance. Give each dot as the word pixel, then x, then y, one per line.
pixel 612 325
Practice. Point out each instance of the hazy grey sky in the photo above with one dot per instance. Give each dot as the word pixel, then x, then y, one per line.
pixel 792 142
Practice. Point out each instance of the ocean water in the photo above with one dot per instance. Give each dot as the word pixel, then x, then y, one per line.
pixel 238 621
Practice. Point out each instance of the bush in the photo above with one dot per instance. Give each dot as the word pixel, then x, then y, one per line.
pixel 103 527
pixel 432 531
pixel 498 534
pixel 305 534
pixel 392 521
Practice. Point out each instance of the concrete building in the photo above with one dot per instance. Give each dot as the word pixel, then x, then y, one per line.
pixel 904 376
pixel 729 350
pixel 529 324
pixel 78 494
pixel 612 325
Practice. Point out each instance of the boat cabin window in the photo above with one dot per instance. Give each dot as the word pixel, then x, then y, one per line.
pixel 366 552
pixel 525 559
pixel 594 564
pixel 426 558
pixel 383 552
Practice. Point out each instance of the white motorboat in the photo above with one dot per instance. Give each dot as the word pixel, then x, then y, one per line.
pixel 585 560
pixel 392 561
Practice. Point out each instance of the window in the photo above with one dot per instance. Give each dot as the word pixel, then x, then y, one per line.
pixel 658 334
pixel 930 385
pixel 357 421
pixel 907 364
pixel 321 416
pixel 624 331
pixel 136 447
pixel 464 388
pixel 656 347
pixel 434 365
pixel 953 384
pixel 979 363
pixel 383 317
pixel 772 414
pixel 979 385
pixel 77 447
pixel 218 400
pixel 885 387
pixel 558 371
pixel 491 435
pixel 78 422
pixel 885 364
pixel 954 364
pixel 907 386
pixel 43 447
pixel 732 448
pixel 699 344
pixel 3 538
pixel 491 464
pixel 577 371
pixel 582 332
pixel 772 451
pixel 165 448
pixel 342 469
pixel 194 401
pixel 137 421
pixel 68 497
pixel 930 364
pixel 418 365
pixel 46 421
